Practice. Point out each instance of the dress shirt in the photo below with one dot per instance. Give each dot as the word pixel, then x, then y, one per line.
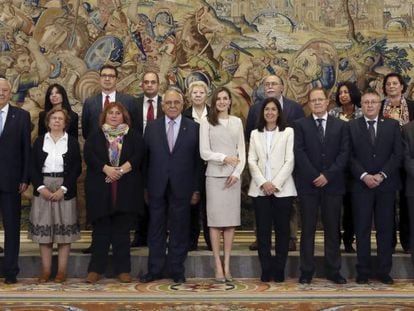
pixel 375 124
pixel 55 151
pixel 177 124
pixel 281 102
pixel 195 116
pixel 112 98
pixel 268 165
pixel 324 118
pixel 145 108
pixel 5 110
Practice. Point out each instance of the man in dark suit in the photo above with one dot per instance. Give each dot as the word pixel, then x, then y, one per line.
pixel 14 176
pixel 172 183
pixel 408 140
pixel 149 108
pixel 321 155
pixel 274 87
pixel 94 105
pixel 376 152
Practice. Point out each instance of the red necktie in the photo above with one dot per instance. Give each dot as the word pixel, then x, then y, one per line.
pixel 150 111
pixel 106 103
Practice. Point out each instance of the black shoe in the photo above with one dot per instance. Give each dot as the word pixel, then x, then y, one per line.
pixel 337 279
pixel 305 279
pixel 361 279
pixel 279 277
pixel 386 279
pixel 87 250
pixel 349 249
pixel 253 246
pixel 265 278
pixel 10 280
pixel 138 243
pixel 147 278
pixel 178 279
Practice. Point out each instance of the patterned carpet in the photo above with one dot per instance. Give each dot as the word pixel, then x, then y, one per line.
pixel 205 294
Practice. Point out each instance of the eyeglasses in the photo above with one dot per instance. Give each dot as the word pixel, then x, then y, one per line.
pixel 105 76
pixel 269 84
pixel 370 102
pixel 317 100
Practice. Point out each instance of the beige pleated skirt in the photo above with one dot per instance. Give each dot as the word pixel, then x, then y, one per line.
pixel 223 204
pixel 53 222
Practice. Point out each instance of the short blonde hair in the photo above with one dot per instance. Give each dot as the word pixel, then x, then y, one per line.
pixel 197 83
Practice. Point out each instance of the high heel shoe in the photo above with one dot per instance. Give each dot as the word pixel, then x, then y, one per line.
pixel 219 277
pixel 228 277
pixel 44 277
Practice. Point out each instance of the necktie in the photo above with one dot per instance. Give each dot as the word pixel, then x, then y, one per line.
pixel 1 122
pixel 320 129
pixel 150 111
pixel 106 103
pixel 170 134
pixel 371 131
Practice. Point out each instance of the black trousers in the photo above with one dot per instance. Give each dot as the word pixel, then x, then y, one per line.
pixel 369 204
pixel 330 206
pixel 169 218
pixel 111 230
pixel 348 235
pixel 273 213
pixel 199 213
pixel 404 224
pixel 410 208
pixel 141 226
pixel 10 205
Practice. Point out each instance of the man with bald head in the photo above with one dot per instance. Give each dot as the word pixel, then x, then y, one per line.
pixel 14 177
pixel 173 168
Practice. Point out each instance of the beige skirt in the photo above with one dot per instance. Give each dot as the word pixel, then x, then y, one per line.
pixel 223 204
pixel 53 222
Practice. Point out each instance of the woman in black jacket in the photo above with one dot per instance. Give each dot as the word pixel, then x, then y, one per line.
pixel 56 165
pixel 114 190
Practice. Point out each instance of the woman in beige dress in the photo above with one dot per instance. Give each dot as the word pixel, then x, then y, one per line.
pixel 222 146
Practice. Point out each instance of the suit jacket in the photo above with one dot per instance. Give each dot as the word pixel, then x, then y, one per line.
pixel 291 110
pixel 92 108
pixel 130 189
pixel 282 162
pixel 72 164
pixel 72 129
pixel 312 157
pixel 15 150
pixel 408 141
pixel 385 156
pixel 180 168
pixel 140 113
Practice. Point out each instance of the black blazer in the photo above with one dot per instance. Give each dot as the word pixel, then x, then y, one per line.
pixel 92 108
pixel 179 169
pixel 130 189
pixel 72 165
pixel 15 150
pixel 188 113
pixel 140 112
pixel 410 105
pixel 72 129
pixel 313 157
pixel 385 156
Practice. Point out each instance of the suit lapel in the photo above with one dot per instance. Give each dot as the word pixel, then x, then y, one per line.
pixel 163 132
pixel 98 105
pixel 380 129
pixel 10 120
pixel 181 132
pixel 364 130
pixel 160 113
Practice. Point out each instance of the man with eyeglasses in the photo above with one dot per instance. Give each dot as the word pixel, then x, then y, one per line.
pixel 149 108
pixel 321 155
pixel 93 106
pixel 274 87
pixel 376 153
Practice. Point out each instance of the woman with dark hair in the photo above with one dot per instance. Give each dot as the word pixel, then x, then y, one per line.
pixel 56 165
pixel 56 96
pixel 222 146
pixel 114 190
pixel 271 162
pixel 397 107
pixel 348 103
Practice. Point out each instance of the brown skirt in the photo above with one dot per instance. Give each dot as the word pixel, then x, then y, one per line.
pixel 53 222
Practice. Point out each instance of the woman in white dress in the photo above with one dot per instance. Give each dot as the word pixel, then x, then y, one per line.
pixel 271 162
pixel 222 146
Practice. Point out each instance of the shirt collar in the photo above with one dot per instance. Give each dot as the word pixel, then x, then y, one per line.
pixel 63 138
pixel 176 120
pixel 324 117
pixel 5 109
pixel 375 119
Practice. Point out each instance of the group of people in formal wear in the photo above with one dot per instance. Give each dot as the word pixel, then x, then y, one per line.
pixel 157 167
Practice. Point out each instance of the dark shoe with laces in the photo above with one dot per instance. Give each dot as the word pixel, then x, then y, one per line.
pixel 147 278
pixel 10 280
pixel 337 279
pixel 386 279
pixel 361 279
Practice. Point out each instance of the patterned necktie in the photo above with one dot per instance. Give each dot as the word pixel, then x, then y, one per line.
pixel 106 103
pixel 371 131
pixel 170 134
pixel 1 122
pixel 150 111
pixel 320 129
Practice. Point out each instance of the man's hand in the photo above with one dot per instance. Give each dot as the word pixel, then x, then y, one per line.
pixel 320 181
pixel 195 198
pixel 370 181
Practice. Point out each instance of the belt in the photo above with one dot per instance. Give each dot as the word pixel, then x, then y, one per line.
pixel 53 174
